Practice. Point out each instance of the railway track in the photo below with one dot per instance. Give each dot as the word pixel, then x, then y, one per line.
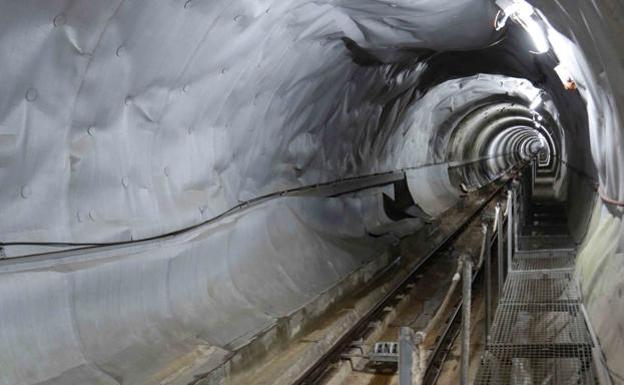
pixel 322 370
pixel 449 334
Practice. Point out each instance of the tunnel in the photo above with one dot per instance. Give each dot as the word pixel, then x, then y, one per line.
pixel 222 192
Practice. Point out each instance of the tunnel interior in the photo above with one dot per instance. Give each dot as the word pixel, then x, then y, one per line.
pixel 183 180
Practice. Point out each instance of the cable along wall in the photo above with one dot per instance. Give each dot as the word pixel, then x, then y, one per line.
pixel 113 128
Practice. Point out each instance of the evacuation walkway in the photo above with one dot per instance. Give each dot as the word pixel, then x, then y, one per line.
pixel 539 334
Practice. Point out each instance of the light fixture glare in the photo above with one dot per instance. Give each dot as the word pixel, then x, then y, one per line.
pixel 524 14
pixel 536 102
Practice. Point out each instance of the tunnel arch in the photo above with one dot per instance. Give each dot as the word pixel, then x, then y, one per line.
pixel 167 137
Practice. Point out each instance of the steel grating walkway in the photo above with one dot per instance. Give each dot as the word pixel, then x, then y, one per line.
pixel 539 334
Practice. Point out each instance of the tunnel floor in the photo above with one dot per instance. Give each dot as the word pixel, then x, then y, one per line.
pixel 540 334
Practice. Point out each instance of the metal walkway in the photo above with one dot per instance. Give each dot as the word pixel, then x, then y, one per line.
pixel 539 334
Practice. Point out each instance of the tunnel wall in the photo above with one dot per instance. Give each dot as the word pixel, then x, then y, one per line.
pixel 595 59
pixel 135 315
pixel 121 120
pixel 600 270
pixel 142 118
pixel 128 314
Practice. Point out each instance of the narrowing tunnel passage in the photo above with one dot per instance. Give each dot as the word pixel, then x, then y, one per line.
pixel 311 192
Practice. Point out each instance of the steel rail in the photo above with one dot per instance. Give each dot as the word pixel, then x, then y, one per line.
pixel 447 338
pixel 320 368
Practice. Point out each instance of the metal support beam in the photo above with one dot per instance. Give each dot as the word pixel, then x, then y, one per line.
pixel 466 301
pixel 406 355
pixel 488 279
pixel 510 225
pixel 534 175
pixel 517 203
pixel 499 252
pixel 411 368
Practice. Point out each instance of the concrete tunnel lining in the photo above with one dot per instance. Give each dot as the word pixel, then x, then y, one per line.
pixel 125 120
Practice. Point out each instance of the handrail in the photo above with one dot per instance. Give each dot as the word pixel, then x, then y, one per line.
pixel 595 185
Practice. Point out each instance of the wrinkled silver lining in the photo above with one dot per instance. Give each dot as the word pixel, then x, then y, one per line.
pixel 125 120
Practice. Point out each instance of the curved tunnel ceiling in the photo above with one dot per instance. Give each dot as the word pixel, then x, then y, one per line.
pixel 254 128
pixel 159 135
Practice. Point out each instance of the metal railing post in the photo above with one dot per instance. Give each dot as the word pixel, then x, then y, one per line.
pixel 518 203
pixel 411 369
pixel 406 354
pixel 534 175
pixel 488 278
pixel 510 225
pixel 499 252
pixel 466 300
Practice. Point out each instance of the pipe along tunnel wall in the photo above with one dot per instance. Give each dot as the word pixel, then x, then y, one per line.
pixel 123 121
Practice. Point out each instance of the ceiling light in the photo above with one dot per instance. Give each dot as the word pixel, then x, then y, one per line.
pixel 524 14
pixel 536 32
pixel 536 102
